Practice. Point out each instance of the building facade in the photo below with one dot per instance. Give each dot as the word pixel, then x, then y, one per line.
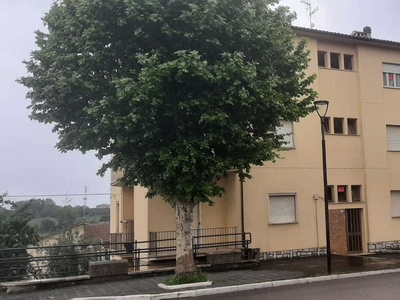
pixel 283 202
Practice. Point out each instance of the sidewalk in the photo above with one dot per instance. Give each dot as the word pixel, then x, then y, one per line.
pixel 268 271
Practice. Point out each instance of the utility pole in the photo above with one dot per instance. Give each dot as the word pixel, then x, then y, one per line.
pixel 311 11
pixel 67 199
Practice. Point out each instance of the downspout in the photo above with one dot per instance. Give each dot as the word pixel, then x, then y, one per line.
pixel 242 210
pixel 316 197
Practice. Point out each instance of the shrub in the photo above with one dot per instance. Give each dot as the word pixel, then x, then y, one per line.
pixel 187 278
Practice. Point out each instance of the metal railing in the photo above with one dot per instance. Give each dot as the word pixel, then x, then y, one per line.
pixel 224 241
pixel 118 240
pixel 115 176
pixel 73 260
pixel 162 239
pixel 50 261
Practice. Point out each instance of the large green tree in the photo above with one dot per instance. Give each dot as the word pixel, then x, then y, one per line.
pixel 177 91
pixel 15 232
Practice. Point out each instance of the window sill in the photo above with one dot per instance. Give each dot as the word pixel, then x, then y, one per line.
pixel 333 69
pixel 343 134
pixel 393 150
pixel 288 148
pixel 356 202
pixel 289 223
pixel 391 87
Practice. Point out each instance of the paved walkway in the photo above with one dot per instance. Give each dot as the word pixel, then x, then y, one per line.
pixel 268 271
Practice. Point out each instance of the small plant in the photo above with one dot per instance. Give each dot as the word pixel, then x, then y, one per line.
pixel 187 278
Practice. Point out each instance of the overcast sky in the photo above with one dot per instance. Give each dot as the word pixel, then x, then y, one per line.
pixel 29 163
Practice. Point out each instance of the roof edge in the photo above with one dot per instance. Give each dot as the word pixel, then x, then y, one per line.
pixel 348 37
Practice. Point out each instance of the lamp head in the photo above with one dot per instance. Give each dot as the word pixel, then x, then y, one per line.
pixel 322 107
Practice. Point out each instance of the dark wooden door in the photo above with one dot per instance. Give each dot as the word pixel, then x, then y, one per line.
pixel 354 232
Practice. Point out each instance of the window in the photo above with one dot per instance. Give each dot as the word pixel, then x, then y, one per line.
pixel 338 125
pixel 356 193
pixel 352 126
pixel 286 130
pixel 282 209
pixel 391 75
pixel 348 62
pixel 329 195
pixel 321 59
pixel 395 195
pixel 342 193
pixel 393 138
pixel 335 60
pixel 327 127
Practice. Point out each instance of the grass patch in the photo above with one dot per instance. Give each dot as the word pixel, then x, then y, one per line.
pixel 187 278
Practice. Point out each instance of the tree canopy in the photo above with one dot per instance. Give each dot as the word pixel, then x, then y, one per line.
pixel 177 91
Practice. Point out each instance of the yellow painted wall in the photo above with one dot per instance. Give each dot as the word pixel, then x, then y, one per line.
pixel 360 159
pixel 380 107
pixel 141 214
pixel 161 215
pixel 115 214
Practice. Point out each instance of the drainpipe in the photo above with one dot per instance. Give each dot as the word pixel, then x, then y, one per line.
pixel 316 197
pixel 242 211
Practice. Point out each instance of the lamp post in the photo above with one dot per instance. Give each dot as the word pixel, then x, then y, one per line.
pixel 322 108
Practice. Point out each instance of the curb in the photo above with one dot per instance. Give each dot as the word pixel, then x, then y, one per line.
pixel 182 286
pixel 240 288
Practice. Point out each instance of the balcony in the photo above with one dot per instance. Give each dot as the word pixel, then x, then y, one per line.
pixel 115 177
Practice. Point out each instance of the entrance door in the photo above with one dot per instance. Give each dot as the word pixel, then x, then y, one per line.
pixel 353 229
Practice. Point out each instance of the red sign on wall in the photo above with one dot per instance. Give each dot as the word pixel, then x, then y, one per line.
pixel 340 189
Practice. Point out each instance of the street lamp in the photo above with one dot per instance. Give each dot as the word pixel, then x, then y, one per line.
pixel 322 108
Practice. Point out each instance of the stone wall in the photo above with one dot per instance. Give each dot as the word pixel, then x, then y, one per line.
pixel 107 268
pixel 224 257
pixel 306 252
pixel 384 247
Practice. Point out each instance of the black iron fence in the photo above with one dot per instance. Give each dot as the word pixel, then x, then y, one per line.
pixel 118 240
pixel 50 261
pixel 73 260
pixel 167 239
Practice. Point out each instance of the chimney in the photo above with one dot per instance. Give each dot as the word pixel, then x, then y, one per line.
pixel 367 32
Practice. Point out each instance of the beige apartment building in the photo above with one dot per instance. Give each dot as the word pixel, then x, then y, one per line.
pixel 283 203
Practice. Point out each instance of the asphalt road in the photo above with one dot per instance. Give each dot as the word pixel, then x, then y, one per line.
pixel 381 287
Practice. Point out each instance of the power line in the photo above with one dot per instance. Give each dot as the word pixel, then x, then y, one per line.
pixel 57 195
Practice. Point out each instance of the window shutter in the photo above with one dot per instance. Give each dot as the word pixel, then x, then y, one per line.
pixel 390 68
pixel 393 138
pixel 282 209
pixel 286 130
pixel 395 195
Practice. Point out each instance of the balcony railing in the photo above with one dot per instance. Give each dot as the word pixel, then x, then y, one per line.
pixel 115 176
pixel 118 240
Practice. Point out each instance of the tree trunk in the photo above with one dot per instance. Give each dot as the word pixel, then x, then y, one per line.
pixel 184 250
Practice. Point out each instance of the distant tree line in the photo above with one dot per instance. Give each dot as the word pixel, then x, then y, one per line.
pixel 48 217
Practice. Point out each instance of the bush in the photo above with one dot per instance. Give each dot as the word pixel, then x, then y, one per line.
pixel 187 278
